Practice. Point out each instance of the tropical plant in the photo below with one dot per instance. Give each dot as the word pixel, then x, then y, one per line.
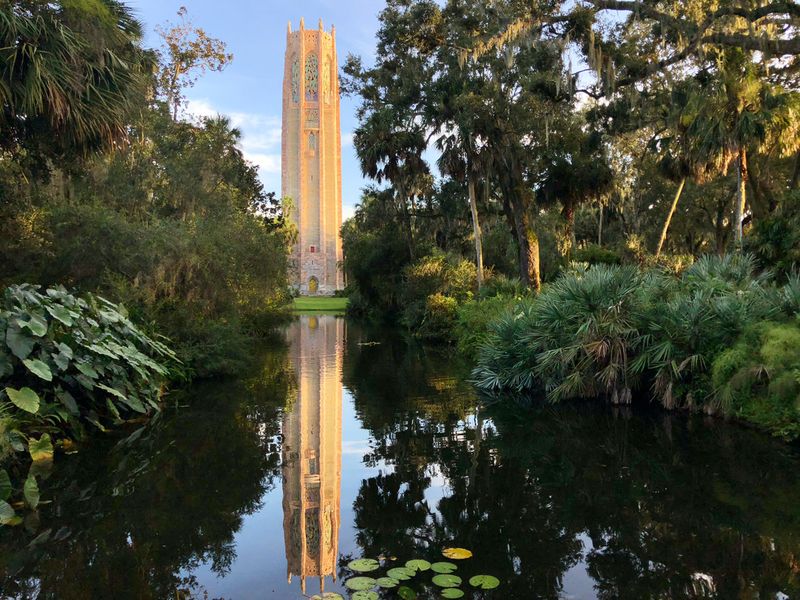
pixel 69 361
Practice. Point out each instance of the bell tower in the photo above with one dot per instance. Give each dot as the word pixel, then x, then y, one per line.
pixel 311 158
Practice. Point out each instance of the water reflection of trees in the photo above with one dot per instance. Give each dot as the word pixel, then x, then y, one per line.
pixel 672 508
pixel 129 519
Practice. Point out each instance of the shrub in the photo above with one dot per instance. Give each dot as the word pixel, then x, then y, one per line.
pixel 596 255
pixel 440 317
pixel 70 361
pixel 432 275
pixel 758 379
pixel 474 319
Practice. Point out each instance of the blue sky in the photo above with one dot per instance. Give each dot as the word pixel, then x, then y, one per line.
pixel 249 89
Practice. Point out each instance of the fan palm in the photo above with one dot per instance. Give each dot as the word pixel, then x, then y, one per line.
pixel 69 74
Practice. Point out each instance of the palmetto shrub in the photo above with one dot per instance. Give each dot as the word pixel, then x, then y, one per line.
pixel 607 331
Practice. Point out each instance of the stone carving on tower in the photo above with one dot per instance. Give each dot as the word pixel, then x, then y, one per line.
pixel 311 158
pixel 312 450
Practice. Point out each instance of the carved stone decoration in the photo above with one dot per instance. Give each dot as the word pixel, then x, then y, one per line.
pixel 312 78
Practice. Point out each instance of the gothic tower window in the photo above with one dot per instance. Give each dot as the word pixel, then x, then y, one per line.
pixel 296 80
pixel 312 78
pixel 312 141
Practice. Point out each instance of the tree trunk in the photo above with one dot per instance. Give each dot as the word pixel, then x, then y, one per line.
pixel 600 227
pixel 476 231
pixel 528 245
pixel 668 220
pixel 568 212
pixel 741 199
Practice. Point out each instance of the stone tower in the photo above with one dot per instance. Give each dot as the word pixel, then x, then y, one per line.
pixel 312 450
pixel 311 157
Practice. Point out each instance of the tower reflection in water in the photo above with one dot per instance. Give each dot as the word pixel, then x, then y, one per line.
pixel 312 450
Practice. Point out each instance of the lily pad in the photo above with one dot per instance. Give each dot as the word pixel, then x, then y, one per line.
pixel 360 583
pixel 418 565
pixel 406 593
pixel 457 553
pixel 387 582
pixel 364 595
pixel 484 582
pixel 443 567
pixel 363 565
pixel 452 593
pixel 447 581
pixel 400 573
pixel 327 596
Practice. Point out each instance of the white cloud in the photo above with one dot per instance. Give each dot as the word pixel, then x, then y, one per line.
pixel 347 139
pixel 261 138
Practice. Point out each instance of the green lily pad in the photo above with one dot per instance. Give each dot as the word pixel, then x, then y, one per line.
pixel 484 582
pixel 364 595
pixel 327 596
pixel 400 573
pixel 452 593
pixel 406 593
pixel 387 582
pixel 447 581
pixel 443 567
pixel 418 565
pixel 360 583
pixel 363 565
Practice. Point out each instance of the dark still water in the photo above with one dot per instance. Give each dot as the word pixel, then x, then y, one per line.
pixel 348 443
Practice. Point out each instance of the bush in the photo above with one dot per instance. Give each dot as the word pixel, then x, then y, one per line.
pixel 758 379
pixel 596 255
pixel 475 318
pixel 435 275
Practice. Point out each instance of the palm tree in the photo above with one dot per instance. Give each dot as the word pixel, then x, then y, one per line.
pixel 742 111
pixel 69 74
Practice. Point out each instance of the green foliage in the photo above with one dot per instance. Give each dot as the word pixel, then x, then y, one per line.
pixel 433 288
pixel 474 319
pixel 596 255
pixel 71 361
pixel 609 331
pixel 758 378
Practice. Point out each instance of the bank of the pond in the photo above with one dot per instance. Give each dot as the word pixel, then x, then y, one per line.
pixel 320 304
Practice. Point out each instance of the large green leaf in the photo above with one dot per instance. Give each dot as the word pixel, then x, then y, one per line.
pixel 452 593
pixel 364 595
pixel 61 313
pixel 400 573
pixel 484 582
pixel 26 399
pixel 41 449
pixel 19 342
pixel 86 369
pixel 387 582
pixel 363 565
pixel 38 368
pixel 6 366
pixel 7 513
pixel 68 401
pixel 36 324
pixel 5 485
pixel 418 565
pixel 31 491
pixel 406 593
pixel 446 580
pixel 360 583
pixel 443 567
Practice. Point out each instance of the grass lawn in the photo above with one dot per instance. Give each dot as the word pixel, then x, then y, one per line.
pixel 319 304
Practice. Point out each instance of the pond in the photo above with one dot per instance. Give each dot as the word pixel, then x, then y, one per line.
pixel 348 442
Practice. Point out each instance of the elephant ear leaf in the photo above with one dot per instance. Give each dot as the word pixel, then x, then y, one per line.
pixel 41 450
pixel 26 399
pixel 38 368
pixel 20 343
pixel 31 491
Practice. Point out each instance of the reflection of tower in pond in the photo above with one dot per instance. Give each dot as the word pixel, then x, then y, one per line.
pixel 312 450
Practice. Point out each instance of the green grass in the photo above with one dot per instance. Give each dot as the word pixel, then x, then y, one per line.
pixel 319 304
